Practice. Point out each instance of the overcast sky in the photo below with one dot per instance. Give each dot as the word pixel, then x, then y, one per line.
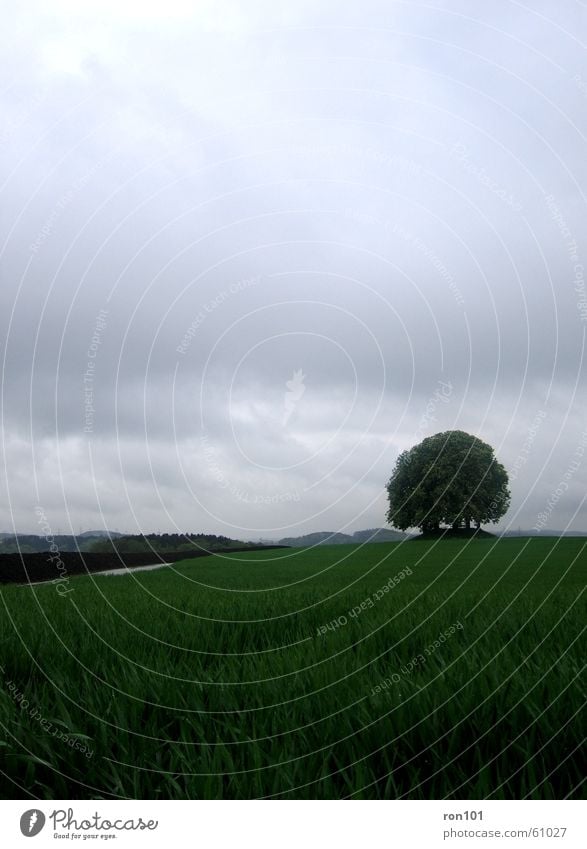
pixel 250 251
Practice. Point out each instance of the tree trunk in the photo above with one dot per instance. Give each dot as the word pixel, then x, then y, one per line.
pixel 468 522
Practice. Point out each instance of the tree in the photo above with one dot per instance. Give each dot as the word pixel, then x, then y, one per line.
pixel 450 478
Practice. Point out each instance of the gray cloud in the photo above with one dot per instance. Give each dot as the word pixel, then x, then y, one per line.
pixel 201 202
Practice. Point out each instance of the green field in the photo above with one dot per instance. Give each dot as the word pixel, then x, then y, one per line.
pixel 219 679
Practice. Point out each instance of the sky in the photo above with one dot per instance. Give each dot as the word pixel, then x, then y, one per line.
pixel 251 251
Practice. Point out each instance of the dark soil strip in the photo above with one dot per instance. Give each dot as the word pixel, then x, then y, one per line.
pixel 31 568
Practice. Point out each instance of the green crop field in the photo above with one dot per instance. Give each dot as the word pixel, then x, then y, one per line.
pixel 401 670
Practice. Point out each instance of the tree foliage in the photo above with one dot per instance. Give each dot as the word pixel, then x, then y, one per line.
pixel 451 478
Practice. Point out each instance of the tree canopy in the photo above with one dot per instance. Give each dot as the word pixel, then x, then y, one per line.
pixel 451 478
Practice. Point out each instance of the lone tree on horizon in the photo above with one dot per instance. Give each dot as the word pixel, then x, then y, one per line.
pixel 452 479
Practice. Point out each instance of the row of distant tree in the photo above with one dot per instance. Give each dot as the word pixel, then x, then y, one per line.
pixel 162 543
pixel 133 543
pixel 32 543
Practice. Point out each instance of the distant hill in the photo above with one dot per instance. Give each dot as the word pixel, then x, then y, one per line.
pixel 449 533
pixel 545 532
pixel 100 534
pixel 317 538
pixel 29 543
pixel 379 535
pixel 335 538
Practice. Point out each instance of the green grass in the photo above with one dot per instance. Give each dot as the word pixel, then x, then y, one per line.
pixel 212 681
